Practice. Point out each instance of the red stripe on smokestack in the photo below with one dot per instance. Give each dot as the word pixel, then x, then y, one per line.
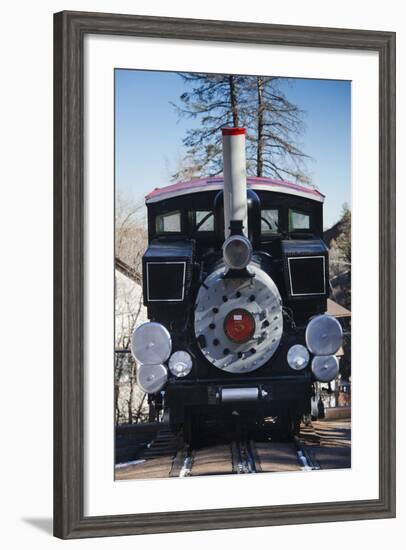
pixel 235 179
pixel 232 131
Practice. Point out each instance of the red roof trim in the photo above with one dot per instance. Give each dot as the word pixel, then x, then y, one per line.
pixel 217 180
pixel 232 131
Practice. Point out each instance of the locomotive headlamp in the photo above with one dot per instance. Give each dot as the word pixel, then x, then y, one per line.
pixel 151 344
pixel 180 363
pixel 151 378
pixel 298 357
pixel 324 335
pixel 237 252
pixel 325 367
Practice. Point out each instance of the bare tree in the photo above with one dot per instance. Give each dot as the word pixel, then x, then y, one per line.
pixel 259 103
pixel 344 239
pixel 131 232
pixel 132 379
pixel 214 101
pixel 118 373
pixel 187 169
pixel 340 259
pixel 275 126
pixel 129 313
pixel 130 244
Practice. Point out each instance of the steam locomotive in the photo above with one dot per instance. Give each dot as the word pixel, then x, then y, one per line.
pixel 235 281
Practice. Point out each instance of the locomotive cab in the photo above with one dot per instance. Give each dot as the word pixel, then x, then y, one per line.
pixel 235 281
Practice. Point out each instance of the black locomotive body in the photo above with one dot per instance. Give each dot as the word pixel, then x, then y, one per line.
pixel 231 336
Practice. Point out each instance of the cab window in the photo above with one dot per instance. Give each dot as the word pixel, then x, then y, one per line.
pixel 204 220
pixel 168 223
pixel 298 220
pixel 270 221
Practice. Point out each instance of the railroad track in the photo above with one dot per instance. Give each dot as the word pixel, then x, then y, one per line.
pixel 243 457
pixel 167 456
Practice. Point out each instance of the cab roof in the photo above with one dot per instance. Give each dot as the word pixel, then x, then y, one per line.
pixel 216 183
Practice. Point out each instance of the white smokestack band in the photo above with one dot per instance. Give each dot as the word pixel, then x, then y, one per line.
pixel 235 178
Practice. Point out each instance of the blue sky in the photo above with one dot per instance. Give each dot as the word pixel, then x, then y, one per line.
pixel 149 134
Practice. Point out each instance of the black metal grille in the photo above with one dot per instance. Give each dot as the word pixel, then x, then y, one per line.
pixel 165 281
pixel 307 275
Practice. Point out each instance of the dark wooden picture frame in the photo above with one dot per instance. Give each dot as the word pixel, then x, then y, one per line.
pixel 69 31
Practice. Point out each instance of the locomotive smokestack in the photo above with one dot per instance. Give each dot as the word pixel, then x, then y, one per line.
pixel 235 178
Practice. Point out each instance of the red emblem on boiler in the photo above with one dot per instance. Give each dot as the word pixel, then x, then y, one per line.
pixel 239 325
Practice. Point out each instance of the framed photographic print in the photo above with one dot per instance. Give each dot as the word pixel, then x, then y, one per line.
pixel 224 275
